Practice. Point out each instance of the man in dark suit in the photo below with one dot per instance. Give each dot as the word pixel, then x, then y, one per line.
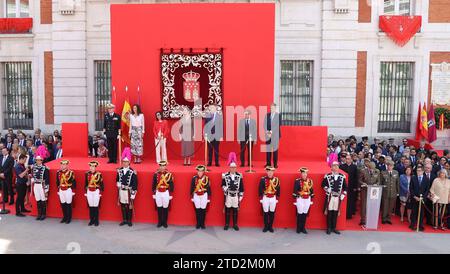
pixel 214 131
pixel 111 128
pixel 246 128
pixel 272 123
pixel 413 157
pixel 430 175
pixel 418 188
pixel 352 172
pixel 22 141
pixel 6 169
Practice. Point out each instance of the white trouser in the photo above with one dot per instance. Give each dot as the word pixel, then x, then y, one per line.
pixel 39 192
pixel 303 205
pixel 162 198
pixel 161 154
pixel 93 197
pixel 269 203
pixel 65 196
pixel 334 203
pixel 200 201
pixel 123 196
pixel 232 201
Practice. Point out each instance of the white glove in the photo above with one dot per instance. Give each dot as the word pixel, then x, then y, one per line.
pixel 225 188
pixel 154 197
pixel 240 199
pixel 311 203
pixel 85 194
pixel 32 180
pixel 133 196
pixel 118 184
pixel 342 197
pixel 328 190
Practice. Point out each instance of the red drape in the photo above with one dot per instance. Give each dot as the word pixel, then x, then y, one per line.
pixel 15 25
pixel 400 28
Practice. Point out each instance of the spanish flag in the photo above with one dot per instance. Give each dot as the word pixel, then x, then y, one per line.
pixel 125 126
pixel 424 122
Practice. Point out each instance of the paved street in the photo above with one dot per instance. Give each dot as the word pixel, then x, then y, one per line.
pixel 25 235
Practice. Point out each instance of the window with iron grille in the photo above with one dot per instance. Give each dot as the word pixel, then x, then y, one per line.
pixel 296 92
pixel 102 77
pixel 396 90
pixel 17 95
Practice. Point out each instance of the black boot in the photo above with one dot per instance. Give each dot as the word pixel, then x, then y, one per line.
pixel 39 209
pixel 64 212
pixel 203 217
pixel 96 222
pixel 91 217
pixel 69 213
pixel 198 218
pixel 304 223
pixel 159 209
pixel 165 217
pixel 129 216
pixel 227 219
pixel 43 210
pixel 329 222
pixel 271 219
pixel 124 214
pixel 299 223
pixel 335 216
pixel 266 222
pixel 235 218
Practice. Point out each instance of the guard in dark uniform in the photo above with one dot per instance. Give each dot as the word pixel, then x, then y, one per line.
pixel 111 128
pixel 201 192
pixel 162 187
pixel 233 188
pixel 127 184
pixel 335 188
pixel 269 192
pixel 65 182
pixel 40 186
pixel 303 194
pixel 94 186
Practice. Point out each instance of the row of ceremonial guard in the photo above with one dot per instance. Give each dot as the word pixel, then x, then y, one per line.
pixel 334 184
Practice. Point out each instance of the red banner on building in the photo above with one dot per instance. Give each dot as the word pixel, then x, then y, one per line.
pixel 400 28
pixel 16 25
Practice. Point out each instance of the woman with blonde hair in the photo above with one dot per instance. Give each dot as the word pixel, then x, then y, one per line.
pixel 439 195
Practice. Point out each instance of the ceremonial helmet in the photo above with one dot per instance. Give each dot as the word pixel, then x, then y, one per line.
pixel 93 163
pixel 270 168
pixel 303 170
pixel 200 168
pixel 162 163
pixel 64 162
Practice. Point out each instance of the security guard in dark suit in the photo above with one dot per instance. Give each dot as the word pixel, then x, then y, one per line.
pixel 111 128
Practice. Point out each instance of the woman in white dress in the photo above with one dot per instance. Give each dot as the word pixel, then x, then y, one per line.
pixel 137 131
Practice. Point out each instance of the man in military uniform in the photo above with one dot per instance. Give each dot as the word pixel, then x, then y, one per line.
pixel 40 186
pixel 201 192
pixel 94 186
pixel 303 194
pixel 127 183
pixel 111 128
pixel 66 185
pixel 335 188
pixel 233 188
pixel 269 192
pixel 391 180
pixel 162 186
pixel 368 176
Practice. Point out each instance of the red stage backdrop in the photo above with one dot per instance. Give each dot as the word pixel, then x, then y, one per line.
pixel 138 32
pixel 75 142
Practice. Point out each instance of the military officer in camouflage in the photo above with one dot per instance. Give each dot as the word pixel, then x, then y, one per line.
pixel 391 180
pixel 367 176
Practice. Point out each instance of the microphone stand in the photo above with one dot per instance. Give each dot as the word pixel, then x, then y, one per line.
pixel 206 152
